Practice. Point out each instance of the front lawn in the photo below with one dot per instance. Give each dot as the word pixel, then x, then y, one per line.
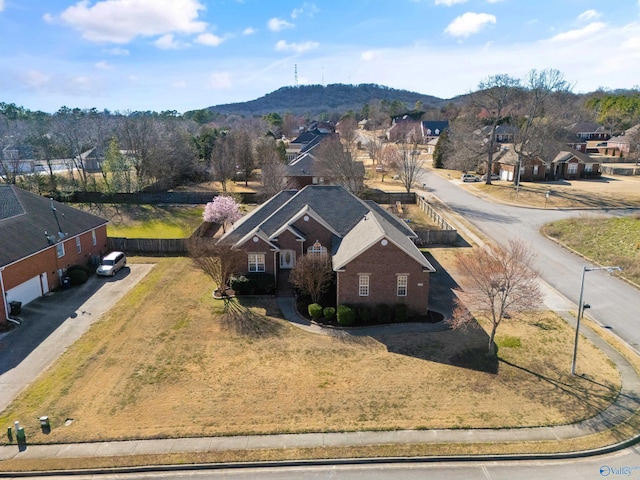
pixel 607 241
pixel 165 362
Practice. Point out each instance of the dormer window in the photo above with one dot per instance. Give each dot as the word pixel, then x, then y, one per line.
pixel 317 249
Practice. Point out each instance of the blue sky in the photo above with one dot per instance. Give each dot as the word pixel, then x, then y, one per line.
pixel 188 54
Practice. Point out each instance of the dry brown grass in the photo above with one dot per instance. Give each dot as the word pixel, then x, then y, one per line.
pixel 166 363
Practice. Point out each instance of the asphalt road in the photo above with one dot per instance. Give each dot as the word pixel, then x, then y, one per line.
pixel 619 465
pixel 614 303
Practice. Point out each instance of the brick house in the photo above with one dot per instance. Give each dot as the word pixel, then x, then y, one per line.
pixel 33 254
pixel 372 251
pixel 571 164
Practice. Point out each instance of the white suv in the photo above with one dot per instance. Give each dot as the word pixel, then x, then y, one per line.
pixel 469 177
pixel 111 264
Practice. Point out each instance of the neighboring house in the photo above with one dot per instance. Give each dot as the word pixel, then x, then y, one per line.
pixel 34 255
pixel 431 129
pixel 306 141
pixel 372 251
pixel 572 165
pixel 506 165
pixel 504 133
pixel 589 131
pixel 621 144
pixel 303 171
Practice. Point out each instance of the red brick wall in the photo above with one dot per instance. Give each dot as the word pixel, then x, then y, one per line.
pixel 314 231
pixel 383 264
pixel 260 247
pixel 46 262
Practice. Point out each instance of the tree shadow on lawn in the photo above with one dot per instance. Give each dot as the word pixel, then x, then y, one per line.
pixel 589 393
pixel 241 319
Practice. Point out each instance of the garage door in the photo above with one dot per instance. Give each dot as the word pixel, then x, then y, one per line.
pixel 27 291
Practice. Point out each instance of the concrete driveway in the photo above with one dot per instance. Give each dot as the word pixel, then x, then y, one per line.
pixel 54 322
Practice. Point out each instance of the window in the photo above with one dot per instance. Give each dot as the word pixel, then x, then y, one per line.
pixel 572 168
pixel 363 285
pixel 588 167
pixel 78 245
pixel 94 240
pixel 402 285
pixel 535 169
pixel 60 249
pixel 256 262
pixel 317 249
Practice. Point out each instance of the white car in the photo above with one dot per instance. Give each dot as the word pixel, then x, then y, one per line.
pixel 111 263
pixel 494 176
pixel 469 177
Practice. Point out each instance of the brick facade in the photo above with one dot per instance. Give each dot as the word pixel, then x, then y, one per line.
pixel 383 264
pixel 46 262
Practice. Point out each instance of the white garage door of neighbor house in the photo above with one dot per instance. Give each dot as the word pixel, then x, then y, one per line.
pixel 28 291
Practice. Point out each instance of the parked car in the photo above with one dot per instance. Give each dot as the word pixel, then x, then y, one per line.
pixel 494 176
pixel 111 263
pixel 469 177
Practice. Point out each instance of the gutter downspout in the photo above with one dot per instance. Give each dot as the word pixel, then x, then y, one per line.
pixel 4 297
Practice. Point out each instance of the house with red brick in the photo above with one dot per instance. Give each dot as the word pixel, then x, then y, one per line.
pixel 39 239
pixel 372 252
pixel 571 164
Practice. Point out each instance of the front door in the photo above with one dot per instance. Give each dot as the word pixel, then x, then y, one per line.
pixel 287 259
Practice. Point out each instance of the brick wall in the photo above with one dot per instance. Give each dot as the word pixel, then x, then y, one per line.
pixel 383 264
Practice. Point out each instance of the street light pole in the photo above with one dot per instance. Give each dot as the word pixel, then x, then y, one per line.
pixel 585 269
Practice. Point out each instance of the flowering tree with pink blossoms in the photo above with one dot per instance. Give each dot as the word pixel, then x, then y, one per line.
pixel 223 209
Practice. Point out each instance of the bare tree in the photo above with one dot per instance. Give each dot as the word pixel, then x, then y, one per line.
pixel 223 159
pixel 493 99
pixel 348 130
pixel 544 91
pixel 245 161
pixel 374 148
pixel 138 136
pixel 219 261
pixel 389 159
pixel 312 275
pixel 502 285
pixel 409 165
pixel 336 162
pixel 272 167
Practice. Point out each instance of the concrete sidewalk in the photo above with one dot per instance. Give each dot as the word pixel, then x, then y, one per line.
pixel 626 403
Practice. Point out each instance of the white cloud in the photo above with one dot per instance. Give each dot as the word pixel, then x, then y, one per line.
pixel 249 31
pixel 47 17
pixel 120 21
pixel 209 39
pixel 283 46
pixel 579 33
pixel 368 55
pixel 449 3
pixel 494 1
pixel 167 42
pixel 309 8
pixel 1 5
pixel 469 23
pixel 116 51
pixel 35 78
pixel 589 15
pixel 220 80
pixel 277 24
pixel 103 65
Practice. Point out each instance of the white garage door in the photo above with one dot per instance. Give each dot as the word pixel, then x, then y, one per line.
pixel 26 292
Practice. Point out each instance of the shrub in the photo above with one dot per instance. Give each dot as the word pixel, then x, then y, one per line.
pixel 384 313
pixel 254 282
pixel 363 313
pixel 346 315
pixel 400 313
pixel 329 313
pixel 315 310
pixel 88 271
pixel 77 276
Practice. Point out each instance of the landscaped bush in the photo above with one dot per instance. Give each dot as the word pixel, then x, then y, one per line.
pixel 329 313
pixel 400 313
pixel 384 313
pixel 254 283
pixel 77 276
pixel 363 313
pixel 346 315
pixel 315 310
pixel 82 268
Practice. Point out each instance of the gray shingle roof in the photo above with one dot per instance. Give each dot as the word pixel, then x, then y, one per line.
pixel 24 217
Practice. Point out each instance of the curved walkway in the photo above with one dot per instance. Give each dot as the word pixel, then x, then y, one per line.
pixel 622 408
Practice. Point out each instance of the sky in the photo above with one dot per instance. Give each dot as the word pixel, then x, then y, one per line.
pixel 128 55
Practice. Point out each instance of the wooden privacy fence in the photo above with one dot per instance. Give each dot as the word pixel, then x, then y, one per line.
pixel 149 246
pixel 446 235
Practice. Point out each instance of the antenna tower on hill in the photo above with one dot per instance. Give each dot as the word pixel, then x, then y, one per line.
pixel 295 74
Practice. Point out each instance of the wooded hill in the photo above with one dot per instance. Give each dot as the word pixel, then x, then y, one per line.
pixel 313 100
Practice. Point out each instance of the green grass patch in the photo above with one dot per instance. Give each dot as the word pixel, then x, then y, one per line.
pixel 607 241
pixel 508 342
